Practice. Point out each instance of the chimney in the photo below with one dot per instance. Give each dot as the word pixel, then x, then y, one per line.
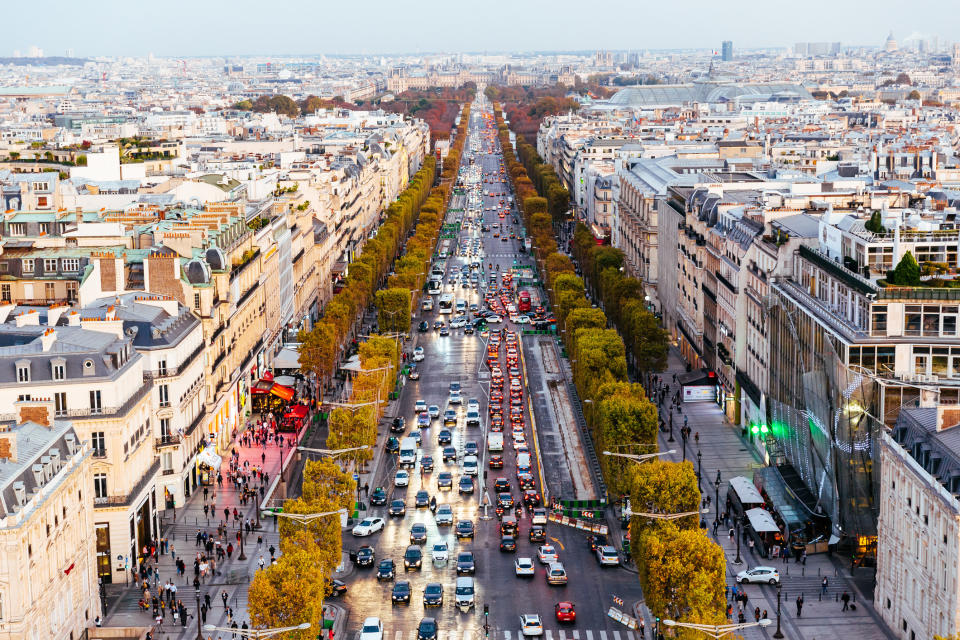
pixel 38 410
pixel 55 312
pixel 48 338
pixel 8 445
pixel 73 319
pixel 28 318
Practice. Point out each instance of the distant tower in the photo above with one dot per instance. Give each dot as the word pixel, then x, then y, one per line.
pixel 726 51
pixel 891 44
pixel 956 54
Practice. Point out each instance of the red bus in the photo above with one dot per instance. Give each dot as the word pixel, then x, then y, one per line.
pixel 524 301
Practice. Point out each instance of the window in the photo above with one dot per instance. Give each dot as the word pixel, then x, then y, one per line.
pixel 23 372
pixel 5 294
pixel 28 266
pixel 43 202
pixel 99 443
pixel 71 291
pixel 24 397
pixel 70 265
pixel 41 186
pixel 99 485
pixel 44 226
pixel 18 229
pixel 95 406
pixel 196 301
pixel 60 402
pixel 59 371
pixel 164 395
pixel 164 427
pixel 49 265
pixel 49 290
pixel 162 367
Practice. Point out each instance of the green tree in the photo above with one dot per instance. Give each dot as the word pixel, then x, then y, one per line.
pixel 875 223
pixel 393 307
pixel 325 480
pixel 243 105
pixel 623 418
pixel 907 272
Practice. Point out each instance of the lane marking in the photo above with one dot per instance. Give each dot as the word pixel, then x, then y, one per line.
pixel 589 635
pixel 603 635
pixel 559 543
pixel 616 635
pixel 549 634
pixel 576 634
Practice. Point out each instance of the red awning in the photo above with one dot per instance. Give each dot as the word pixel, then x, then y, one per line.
pixel 281 391
pixel 262 387
pixel 297 411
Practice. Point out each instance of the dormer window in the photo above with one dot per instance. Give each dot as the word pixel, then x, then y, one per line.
pixel 59 369
pixel 23 370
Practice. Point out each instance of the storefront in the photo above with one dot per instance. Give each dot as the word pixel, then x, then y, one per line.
pixel 208 464
pixel 802 530
pixel 763 530
pixel 699 385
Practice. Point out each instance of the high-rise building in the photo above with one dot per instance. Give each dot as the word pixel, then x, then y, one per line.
pixel 726 51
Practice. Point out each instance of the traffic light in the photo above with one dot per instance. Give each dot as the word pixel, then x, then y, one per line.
pixel 486 610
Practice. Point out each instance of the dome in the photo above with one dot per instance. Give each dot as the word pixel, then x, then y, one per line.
pixel 198 272
pixel 215 258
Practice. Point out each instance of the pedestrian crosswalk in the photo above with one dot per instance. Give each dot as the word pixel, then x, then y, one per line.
pixel 505 634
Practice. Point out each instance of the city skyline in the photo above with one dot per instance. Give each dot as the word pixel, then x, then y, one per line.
pixel 432 27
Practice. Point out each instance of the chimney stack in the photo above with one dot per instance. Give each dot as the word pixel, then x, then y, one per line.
pixel 8 445
pixel 38 410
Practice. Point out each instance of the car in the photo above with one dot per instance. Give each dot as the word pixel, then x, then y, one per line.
pixel 439 323
pixel 522 319
pixel 402 479
pixel 455 398
pixel 493 319
pixel 422 499
pixel 466 564
pixel 417 435
pixel 386 570
pixel 444 515
pixel 526 481
pixel 393 445
pixel 473 405
pixel 530 625
pixel 465 485
pixel 440 552
pixel 501 485
pixel 365 556
pixel 531 498
pixel 445 479
pixel 423 327
pixel 423 420
pixel 468 330
pixel 556 574
pixel 433 595
pixel 508 543
pixel 444 437
pixel 418 533
pixel 427 629
pixel 565 612
pixel 444 331
pixel 547 554
pixel 419 406
pixel 537 534
pixel 597 540
pixel 426 463
pixel 524 567
pixel 471 448
pixel 414 372
pixel 539 515
pixel 398 425
pixel 400 593
pixel 397 508
pixel 607 556
pixel 450 418
pixel 449 454
pixel 495 461
pixel 418 354
pixel 455 386
pixel 372 629
pixel 464 529
pixel 433 411
pixel 768 575
pixel 412 558
pixel 336 588
pixel 368 526
pixel 378 497
pixel 458 322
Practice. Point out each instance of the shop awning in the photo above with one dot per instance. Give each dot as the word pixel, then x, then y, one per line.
pixel 298 411
pixel 287 381
pixel 762 521
pixel 747 493
pixel 262 387
pixel 281 391
pixel 353 364
pixel 210 458
pixel 287 358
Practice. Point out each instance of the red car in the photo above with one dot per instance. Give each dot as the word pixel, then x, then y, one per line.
pixel 566 612
pixel 496 462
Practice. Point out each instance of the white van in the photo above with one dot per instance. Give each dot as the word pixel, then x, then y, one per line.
pixel 523 463
pixel 427 304
pixel 471 465
pixel 408 453
pixel 495 441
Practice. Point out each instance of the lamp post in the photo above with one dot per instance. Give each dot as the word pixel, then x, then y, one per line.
pixel 307 518
pixel 779 634
pixel 736 526
pixel 683 435
pixel 699 466
pixel 242 555
pixel 670 516
pixel 717 631
pixel 639 457
pixel 199 617
pixel 255 633
pixel 716 487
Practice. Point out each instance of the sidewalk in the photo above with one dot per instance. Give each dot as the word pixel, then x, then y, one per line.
pixel 233 575
pixel 723 450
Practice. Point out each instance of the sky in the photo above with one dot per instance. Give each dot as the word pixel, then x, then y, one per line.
pixel 186 28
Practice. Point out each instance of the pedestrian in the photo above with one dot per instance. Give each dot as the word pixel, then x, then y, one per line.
pixel 263 458
pixel 845 599
pixel 803 557
pixel 750 544
pixel 732 539
pixel 696 436
pixel 206 599
pixel 173 553
pixel 716 524
pixel 224 597
pixel 226 514
pixel 272 551
pixel 823 585
pixel 764 616
pixel 756 614
pixel 205 492
pixel 799 604
pixel 230 550
pixel 260 561
pixel 259 541
pixel 642 629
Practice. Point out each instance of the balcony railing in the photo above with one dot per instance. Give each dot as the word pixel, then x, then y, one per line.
pixel 167 441
pixel 125 500
pixel 196 423
pixel 107 412
pixel 175 371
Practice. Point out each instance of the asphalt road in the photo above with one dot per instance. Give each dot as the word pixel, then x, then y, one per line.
pixel 460 357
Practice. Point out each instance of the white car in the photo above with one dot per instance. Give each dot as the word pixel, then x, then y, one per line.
pixel 473 405
pixel 522 319
pixel 434 411
pixel 514 317
pixel 458 323
pixel 368 526
pixel 372 629
pixel 530 625
pixel 493 319
pixel 524 567
pixel 418 354
pixel 444 515
pixel 420 406
pixel 768 575
pixel 547 554
pixel 455 398
pixel 402 479
pixel 441 552
pixel 607 556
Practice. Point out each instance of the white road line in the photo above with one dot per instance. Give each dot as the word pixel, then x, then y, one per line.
pixel 616 635
pixel 506 635
pixel 576 634
pixel 563 634
pixel 603 635
pixel 549 634
pixel 631 635
pixel 589 635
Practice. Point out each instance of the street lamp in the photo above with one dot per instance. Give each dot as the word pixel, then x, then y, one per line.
pixel 736 527
pixel 332 452
pixel 779 634
pixel 639 457
pixel 699 466
pixel 683 435
pixel 717 631
pixel 670 516
pixel 306 518
pixel 257 633
pixel 716 486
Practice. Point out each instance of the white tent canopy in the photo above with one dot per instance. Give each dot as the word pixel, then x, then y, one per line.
pixel 287 359
pixel 747 493
pixel 210 458
pixel 353 364
pixel 762 521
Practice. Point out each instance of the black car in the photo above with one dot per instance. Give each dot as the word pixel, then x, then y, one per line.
pixel 378 497
pixel 449 453
pixel 597 540
pixel 508 544
pixel 336 588
pixel 423 327
pixel 464 529
pixel 531 498
pixel 427 629
pixel 366 556
pixel 468 330
pixel 412 558
pixel 501 485
pixel 444 480
pixel 423 499
pixel 397 508
pixel 526 481
pixel 433 595
pixel 426 463
pixel 465 486
pixel 418 533
pixel 504 501
pixel 386 570
pixel 538 533
pixel 444 437
pixel 393 445
pixel 401 592
pixel 398 424
pixel 471 448
pixel 465 563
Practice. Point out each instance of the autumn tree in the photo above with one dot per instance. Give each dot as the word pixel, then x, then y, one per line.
pixel 660 486
pixel 623 421
pixel 288 593
pixel 393 308
pixel 318 353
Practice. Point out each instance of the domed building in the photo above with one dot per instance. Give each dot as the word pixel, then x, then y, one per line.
pixel 891 44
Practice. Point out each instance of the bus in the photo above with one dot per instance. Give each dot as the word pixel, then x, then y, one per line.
pixel 435 287
pixel 524 301
pixel 446 303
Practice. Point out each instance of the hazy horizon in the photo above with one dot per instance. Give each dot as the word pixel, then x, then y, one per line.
pixel 210 28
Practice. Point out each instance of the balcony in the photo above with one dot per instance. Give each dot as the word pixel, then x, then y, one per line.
pixel 109 412
pixel 126 500
pixel 170 372
pixel 167 441
pixel 196 423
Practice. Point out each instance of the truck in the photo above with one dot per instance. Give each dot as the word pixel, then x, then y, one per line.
pixel 407 457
